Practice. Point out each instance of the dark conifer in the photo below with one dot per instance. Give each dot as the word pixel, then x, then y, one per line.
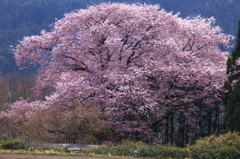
pixel 233 86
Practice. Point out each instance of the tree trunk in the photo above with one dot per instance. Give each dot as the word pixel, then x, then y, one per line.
pixel 166 130
pixel 186 131
pixel 209 115
pixel 172 127
pixel 183 132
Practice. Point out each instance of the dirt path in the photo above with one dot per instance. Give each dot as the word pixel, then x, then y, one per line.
pixel 43 156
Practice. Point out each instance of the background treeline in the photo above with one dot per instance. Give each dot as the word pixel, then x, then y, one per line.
pixel 14 86
pixel 28 17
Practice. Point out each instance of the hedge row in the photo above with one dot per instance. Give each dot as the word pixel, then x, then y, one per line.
pixel 223 147
pixel 226 146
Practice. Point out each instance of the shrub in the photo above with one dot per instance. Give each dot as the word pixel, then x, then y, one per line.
pixel 139 149
pixel 220 153
pixel 226 146
pixel 173 152
pixel 214 142
pixel 125 148
pixel 147 152
pixel 11 144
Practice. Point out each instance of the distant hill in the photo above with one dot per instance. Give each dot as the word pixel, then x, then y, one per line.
pixel 19 18
pixel 226 12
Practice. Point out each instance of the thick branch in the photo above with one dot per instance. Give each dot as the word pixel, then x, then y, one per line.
pixel 45 48
pixel 76 67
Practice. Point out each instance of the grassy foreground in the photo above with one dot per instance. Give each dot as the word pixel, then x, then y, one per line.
pixel 226 146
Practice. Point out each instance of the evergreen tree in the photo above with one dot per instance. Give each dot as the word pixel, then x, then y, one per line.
pixel 233 87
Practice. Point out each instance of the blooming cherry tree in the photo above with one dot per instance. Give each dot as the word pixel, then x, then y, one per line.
pixel 136 63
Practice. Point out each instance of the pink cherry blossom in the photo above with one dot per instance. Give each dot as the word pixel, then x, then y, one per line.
pixel 136 63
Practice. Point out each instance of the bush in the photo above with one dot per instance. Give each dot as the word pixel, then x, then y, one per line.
pixel 125 148
pixel 226 146
pixel 221 153
pixel 215 142
pixel 173 152
pixel 11 144
pixel 147 152
pixel 140 149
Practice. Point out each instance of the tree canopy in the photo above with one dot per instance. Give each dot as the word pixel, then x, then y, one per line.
pixel 27 17
pixel 140 66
